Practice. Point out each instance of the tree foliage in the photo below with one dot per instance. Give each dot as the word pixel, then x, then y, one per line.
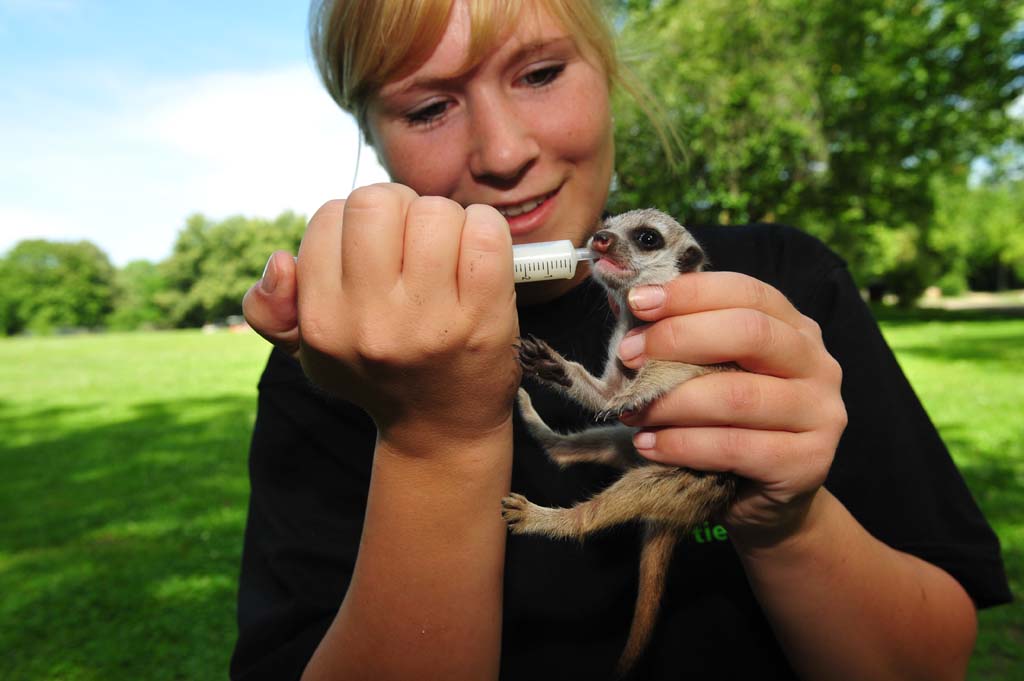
pixel 838 117
pixel 137 288
pixel 214 263
pixel 979 232
pixel 735 87
pixel 48 285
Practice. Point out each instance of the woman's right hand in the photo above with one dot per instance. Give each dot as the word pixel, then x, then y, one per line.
pixel 405 306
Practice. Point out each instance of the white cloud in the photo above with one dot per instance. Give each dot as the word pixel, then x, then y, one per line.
pixel 125 175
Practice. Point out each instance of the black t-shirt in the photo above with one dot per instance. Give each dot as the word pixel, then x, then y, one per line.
pixel 568 605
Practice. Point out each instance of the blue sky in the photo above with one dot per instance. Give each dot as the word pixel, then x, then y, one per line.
pixel 119 119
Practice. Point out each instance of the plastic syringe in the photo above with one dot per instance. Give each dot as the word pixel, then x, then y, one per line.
pixel 547 260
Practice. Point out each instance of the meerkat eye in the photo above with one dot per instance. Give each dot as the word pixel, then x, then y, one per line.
pixel 648 239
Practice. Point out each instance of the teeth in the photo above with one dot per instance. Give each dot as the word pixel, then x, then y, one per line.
pixel 512 211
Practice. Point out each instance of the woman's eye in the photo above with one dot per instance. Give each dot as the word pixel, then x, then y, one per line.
pixel 427 114
pixel 543 76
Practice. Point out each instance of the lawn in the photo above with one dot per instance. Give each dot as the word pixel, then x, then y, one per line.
pixel 969 371
pixel 123 496
pixel 122 503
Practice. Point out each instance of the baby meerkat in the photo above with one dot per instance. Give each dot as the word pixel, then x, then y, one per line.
pixel 635 248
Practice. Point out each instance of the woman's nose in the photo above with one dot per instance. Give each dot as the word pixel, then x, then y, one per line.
pixel 503 145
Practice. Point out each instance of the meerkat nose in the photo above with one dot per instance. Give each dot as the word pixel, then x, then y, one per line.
pixel 602 241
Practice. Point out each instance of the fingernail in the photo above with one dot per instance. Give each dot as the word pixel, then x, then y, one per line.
pixel 632 347
pixel 268 282
pixel 646 297
pixel 644 440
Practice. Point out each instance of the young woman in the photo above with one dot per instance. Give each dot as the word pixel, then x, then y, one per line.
pixel 375 546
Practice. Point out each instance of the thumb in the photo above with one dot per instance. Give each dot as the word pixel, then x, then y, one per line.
pixel 270 306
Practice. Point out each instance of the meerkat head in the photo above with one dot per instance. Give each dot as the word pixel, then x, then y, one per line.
pixel 643 247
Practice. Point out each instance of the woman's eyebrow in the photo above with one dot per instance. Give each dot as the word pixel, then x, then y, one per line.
pixel 521 53
pixel 527 50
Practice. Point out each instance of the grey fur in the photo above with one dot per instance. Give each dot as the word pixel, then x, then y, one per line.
pixel 669 500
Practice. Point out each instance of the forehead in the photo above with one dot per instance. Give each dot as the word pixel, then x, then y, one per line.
pixel 457 56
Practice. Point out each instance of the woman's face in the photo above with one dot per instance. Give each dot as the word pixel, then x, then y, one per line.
pixel 527 131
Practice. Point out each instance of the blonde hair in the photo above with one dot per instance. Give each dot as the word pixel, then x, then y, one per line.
pixel 360 45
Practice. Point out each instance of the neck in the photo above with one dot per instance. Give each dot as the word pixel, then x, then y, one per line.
pixel 627 320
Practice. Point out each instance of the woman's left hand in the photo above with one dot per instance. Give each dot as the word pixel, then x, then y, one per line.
pixel 776 424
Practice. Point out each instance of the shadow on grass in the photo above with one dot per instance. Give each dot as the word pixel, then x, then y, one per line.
pixel 974 337
pixel 890 314
pixel 994 476
pixel 986 348
pixel 975 348
pixel 120 541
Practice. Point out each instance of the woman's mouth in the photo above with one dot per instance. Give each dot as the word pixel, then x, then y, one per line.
pixel 525 207
pixel 530 215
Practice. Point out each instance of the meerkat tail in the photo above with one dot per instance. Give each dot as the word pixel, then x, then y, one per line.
pixel 659 541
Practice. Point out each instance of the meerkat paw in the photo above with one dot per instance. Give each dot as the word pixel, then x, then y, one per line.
pixel 613 412
pixel 541 361
pixel 526 406
pixel 523 516
pixel 514 509
pixel 635 398
pixel 620 405
pixel 652 382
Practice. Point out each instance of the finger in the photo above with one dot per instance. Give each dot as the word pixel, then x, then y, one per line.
pixel 433 230
pixel 752 339
pixel 768 457
pixel 485 274
pixel 319 268
pixel 270 306
pixel 734 398
pixel 704 291
pixel 371 241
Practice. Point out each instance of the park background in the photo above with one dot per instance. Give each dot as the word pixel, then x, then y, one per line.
pixel 152 157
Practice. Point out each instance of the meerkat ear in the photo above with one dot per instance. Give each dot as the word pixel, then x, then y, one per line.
pixel 690 260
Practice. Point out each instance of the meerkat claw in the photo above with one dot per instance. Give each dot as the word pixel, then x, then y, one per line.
pixel 513 509
pixel 539 360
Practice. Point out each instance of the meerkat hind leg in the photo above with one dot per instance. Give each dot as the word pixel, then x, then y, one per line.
pixel 657 493
pixel 607 445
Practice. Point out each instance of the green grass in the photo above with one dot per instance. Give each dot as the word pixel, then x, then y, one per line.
pixel 122 503
pixel 124 489
pixel 969 373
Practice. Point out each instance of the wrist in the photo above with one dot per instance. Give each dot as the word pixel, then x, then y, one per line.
pixel 801 526
pixel 429 446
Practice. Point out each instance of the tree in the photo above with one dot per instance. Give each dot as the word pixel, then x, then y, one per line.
pixel 837 117
pixel 982 226
pixel 214 263
pixel 47 285
pixel 137 290
pixel 736 88
pixel 919 90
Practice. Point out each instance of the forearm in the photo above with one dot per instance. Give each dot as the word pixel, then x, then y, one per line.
pixel 425 597
pixel 846 606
